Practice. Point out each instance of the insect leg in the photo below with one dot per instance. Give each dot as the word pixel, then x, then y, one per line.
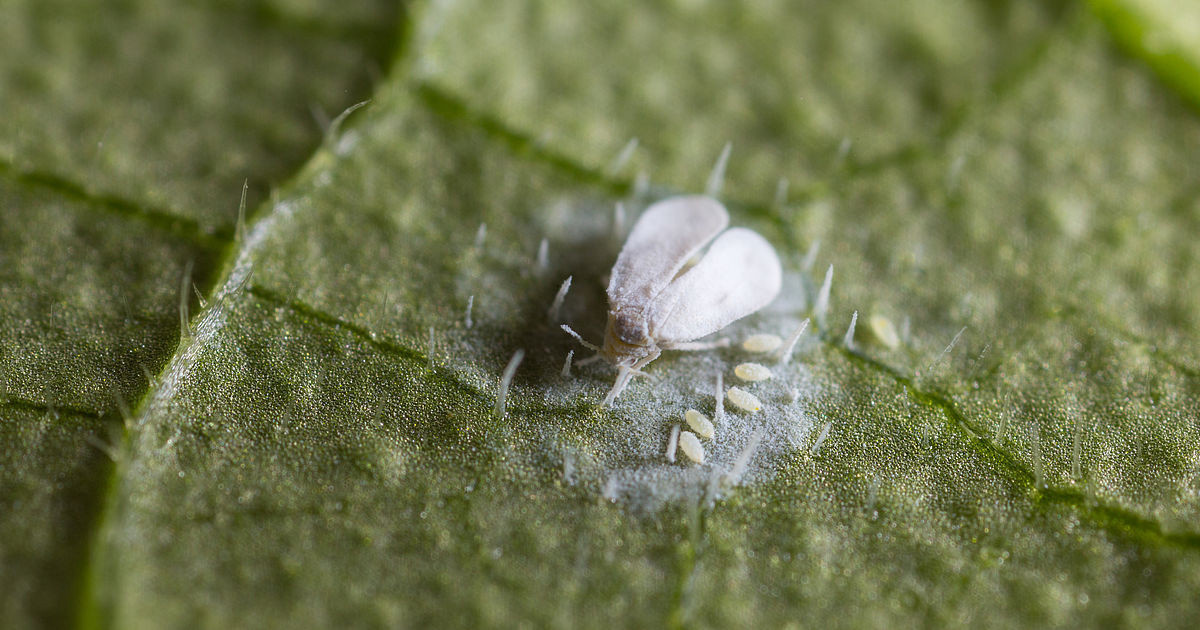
pixel 644 361
pixel 626 373
pixel 636 369
pixel 623 376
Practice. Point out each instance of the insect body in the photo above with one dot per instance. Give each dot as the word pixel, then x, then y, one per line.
pixel 658 302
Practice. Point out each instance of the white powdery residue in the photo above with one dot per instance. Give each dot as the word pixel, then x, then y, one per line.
pixel 822 305
pixel 566 368
pixel 470 305
pixel 786 355
pixel 816 448
pixel 559 297
pixel 631 464
pixel 672 443
pixel 505 380
pixel 849 338
pixel 716 179
pixel 432 347
pixel 719 395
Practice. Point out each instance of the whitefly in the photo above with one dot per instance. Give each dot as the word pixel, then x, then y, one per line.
pixel 657 301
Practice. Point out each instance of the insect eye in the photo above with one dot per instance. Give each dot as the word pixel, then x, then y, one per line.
pixel 630 329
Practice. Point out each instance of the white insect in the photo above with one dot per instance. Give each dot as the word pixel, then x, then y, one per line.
pixel 657 303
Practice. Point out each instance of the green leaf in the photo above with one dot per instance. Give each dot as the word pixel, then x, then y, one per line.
pixel 322 446
pixel 1165 33
pixel 127 134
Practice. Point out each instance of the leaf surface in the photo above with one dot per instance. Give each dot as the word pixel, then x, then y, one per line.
pixel 1000 181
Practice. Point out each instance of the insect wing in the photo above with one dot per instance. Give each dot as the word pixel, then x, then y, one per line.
pixel 664 238
pixel 739 275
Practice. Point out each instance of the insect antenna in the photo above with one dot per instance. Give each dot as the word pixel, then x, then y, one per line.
pixel 590 346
